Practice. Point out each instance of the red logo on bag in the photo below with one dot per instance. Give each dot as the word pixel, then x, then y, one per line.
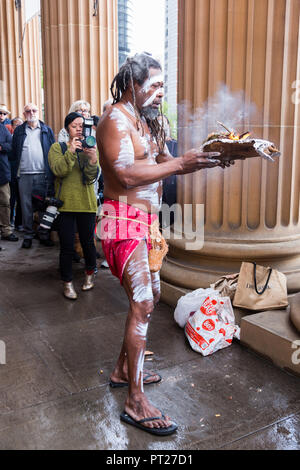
pixel 222 331
pixel 208 325
pixel 208 307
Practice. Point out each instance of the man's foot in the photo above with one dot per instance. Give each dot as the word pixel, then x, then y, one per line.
pixel 10 238
pixel 140 413
pixel 140 424
pixel 27 243
pixel 148 379
pixel 104 265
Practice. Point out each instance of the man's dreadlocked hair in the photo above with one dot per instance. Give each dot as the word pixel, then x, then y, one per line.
pixel 136 69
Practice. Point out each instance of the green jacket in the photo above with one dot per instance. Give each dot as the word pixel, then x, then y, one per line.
pixel 76 196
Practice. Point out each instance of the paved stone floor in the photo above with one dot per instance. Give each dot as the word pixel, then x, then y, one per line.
pixel 54 396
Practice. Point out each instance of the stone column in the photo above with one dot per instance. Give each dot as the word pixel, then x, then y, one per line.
pixel 251 209
pixel 80 55
pixel 20 59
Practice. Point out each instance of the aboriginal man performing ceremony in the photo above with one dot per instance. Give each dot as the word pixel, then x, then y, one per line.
pixel 134 160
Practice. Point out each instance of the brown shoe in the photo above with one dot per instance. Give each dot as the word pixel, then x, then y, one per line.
pixel 88 282
pixel 69 291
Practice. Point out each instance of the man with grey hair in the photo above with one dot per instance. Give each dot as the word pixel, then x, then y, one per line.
pixel 30 146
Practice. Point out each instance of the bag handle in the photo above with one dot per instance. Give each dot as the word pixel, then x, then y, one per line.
pixel 255 283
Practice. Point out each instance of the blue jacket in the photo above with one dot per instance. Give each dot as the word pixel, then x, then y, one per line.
pixel 5 143
pixel 47 139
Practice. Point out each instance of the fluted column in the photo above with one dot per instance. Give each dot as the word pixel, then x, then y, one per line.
pixel 20 58
pixel 251 209
pixel 80 55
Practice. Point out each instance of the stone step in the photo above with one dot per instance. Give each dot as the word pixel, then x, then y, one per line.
pixel 272 334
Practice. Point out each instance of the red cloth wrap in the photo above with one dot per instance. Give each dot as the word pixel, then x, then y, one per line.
pixel 121 237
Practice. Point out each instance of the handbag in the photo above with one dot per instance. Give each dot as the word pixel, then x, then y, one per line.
pixel 260 288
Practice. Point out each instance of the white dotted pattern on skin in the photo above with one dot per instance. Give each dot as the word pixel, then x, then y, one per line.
pixel 149 193
pixel 150 81
pixel 141 292
pixel 152 97
pixel 126 155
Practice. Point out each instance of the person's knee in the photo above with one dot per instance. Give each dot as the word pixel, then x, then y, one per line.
pixel 143 309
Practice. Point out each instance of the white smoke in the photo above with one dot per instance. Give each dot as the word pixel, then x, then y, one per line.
pixel 231 108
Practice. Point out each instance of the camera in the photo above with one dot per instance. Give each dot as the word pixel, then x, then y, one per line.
pixel 89 139
pixel 52 206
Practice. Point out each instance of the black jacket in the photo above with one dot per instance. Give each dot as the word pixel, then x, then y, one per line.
pixel 47 139
pixel 6 145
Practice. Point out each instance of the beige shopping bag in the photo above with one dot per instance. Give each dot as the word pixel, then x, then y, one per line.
pixel 260 288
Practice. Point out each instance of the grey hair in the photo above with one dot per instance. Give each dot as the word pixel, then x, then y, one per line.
pixel 77 105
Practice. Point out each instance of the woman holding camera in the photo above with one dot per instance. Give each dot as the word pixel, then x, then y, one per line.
pixel 76 168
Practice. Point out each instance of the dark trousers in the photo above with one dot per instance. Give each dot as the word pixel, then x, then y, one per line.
pixel 85 223
pixel 15 203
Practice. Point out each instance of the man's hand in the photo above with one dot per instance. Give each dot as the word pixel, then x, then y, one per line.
pixel 92 154
pixel 195 160
pixel 75 144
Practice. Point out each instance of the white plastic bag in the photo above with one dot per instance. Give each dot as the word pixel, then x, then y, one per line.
pixel 208 330
pixel 189 303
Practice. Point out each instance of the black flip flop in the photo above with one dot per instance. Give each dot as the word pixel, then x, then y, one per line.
pixel 125 384
pixel 157 431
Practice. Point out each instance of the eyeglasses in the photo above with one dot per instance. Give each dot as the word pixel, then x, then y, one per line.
pixel 3 113
pixel 31 111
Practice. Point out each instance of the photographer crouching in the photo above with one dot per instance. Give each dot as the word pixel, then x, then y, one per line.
pixel 75 166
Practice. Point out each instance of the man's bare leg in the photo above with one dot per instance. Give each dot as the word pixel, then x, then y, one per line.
pixel 138 285
pixel 120 373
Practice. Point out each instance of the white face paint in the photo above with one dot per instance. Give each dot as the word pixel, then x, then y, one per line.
pixel 154 79
pixel 136 269
pixel 152 97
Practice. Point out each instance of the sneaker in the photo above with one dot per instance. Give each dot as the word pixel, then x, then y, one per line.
pixel 10 238
pixel 27 243
pixel 104 265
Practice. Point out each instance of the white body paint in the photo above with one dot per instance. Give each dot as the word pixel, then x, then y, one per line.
pixel 126 154
pixel 139 369
pixel 149 193
pixel 136 269
pixel 156 281
pixel 120 118
pixel 141 330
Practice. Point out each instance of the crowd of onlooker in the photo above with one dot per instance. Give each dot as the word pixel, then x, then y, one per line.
pixel 34 169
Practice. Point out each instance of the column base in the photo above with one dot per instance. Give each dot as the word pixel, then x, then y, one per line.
pixel 189 270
